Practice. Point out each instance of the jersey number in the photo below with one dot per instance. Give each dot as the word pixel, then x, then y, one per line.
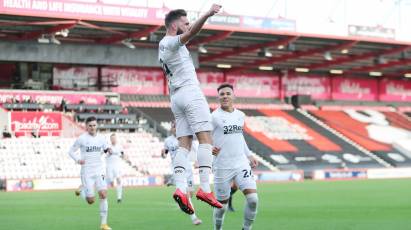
pixel 166 70
pixel 247 173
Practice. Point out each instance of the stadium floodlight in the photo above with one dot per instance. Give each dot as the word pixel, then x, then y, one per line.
pixel 127 42
pixel 43 39
pixel 375 74
pixel 224 66
pixel 143 38
pixel 54 40
pixel 302 70
pixel 407 75
pixel 344 51
pixel 265 68
pixel 336 71
pixel 328 56
pixel 63 33
pixel 202 49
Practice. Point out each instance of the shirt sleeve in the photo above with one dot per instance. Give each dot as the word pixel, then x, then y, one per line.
pixel 247 151
pixel 173 43
pixel 213 121
pixel 73 150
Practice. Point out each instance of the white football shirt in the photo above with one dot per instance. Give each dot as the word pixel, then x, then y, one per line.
pixel 114 159
pixel 91 150
pixel 176 62
pixel 228 136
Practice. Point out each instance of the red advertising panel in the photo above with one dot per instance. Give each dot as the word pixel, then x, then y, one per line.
pixel 354 89
pixel 255 85
pixel 394 90
pixel 51 97
pixel 41 121
pixel 209 82
pixel 133 81
pixel 75 77
pixel 316 86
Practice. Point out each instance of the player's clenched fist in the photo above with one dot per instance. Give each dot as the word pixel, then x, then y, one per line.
pixel 214 9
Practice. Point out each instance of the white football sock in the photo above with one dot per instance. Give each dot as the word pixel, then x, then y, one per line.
pixel 250 210
pixel 103 210
pixel 180 163
pixel 218 217
pixel 119 189
pixel 205 159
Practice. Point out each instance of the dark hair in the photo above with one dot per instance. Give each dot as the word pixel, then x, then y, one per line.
pixel 174 15
pixel 90 119
pixel 224 85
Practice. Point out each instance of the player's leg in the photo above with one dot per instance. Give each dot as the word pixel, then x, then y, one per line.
pixel 205 159
pixel 81 191
pixel 234 189
pixel 222 185
pixel 198 116
pixel 184 135
pixel 119 186
pixel 88 187
pixel 110 176
pixel 190 188
pixel 101 186
pixel 246 183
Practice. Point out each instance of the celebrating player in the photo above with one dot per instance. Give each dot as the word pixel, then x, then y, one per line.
pixel 188 104
pixel 91 147
pixel 171 146
pixel 113 164
pixel 233 159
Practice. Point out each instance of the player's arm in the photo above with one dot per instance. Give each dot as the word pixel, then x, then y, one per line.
pixel 198 24
pixel 106 147
pixel 72 152
pixel 164 153
pixel 249 155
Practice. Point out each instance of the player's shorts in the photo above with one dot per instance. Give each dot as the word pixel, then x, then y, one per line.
pixel 93 181
pixel 223 178
pixel 113 172
pixel 191 111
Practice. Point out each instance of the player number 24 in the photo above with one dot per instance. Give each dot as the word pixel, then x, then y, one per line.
pixel 247 173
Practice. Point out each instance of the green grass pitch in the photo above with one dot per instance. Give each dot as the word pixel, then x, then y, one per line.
pixel 364 204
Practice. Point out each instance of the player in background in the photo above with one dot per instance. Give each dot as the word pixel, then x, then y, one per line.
pixel 113 164
pixel 92 146
pixel 170 147
pixel 233 159
pixel 234 189
pixel 188 104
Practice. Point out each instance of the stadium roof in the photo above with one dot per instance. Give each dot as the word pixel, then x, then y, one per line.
pixel 243 50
